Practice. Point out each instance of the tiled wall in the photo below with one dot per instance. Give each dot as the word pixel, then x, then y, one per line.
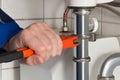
pixel 111 23
pixel 26 12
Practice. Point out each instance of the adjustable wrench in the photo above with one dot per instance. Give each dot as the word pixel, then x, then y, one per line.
pixel 67 41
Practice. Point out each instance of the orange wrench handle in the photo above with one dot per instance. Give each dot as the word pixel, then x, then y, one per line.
pixel 67 41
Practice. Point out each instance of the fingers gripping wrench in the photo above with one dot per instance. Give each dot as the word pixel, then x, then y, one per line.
pixel 67 41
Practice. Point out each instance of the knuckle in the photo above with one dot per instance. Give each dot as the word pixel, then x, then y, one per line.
pixel 54 53
pixel 32 26
pixel 38 24
pixel 24 32
pixel 40 49
pixel 49 47
pixel 60 46
pixel 60 42
pixel 29 63
pixel 35 24
pixel 53 40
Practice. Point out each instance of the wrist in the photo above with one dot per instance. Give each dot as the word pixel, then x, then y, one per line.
pixel 9 45
pixel 5 46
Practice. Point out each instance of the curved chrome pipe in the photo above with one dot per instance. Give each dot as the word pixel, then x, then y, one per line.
pixel 108 67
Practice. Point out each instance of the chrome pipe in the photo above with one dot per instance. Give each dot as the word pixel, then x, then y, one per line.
pixel 82 59
pixel 108 66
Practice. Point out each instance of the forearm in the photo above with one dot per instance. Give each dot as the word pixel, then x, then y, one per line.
pixel 8 28
pixel 7 31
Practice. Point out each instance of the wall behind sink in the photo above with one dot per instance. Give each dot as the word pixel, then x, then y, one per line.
pixel 26 12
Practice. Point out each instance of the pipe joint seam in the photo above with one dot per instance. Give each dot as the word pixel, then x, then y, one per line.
pixel 81 59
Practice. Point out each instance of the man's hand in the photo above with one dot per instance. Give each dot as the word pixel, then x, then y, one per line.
pixel 40 38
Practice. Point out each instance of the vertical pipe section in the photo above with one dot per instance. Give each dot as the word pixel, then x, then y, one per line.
pixel 82 29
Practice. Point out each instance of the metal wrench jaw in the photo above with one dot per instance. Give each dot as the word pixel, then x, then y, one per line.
pixel 69 41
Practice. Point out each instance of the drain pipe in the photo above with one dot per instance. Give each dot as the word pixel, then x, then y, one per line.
pixel 82 30
pixel 106 72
